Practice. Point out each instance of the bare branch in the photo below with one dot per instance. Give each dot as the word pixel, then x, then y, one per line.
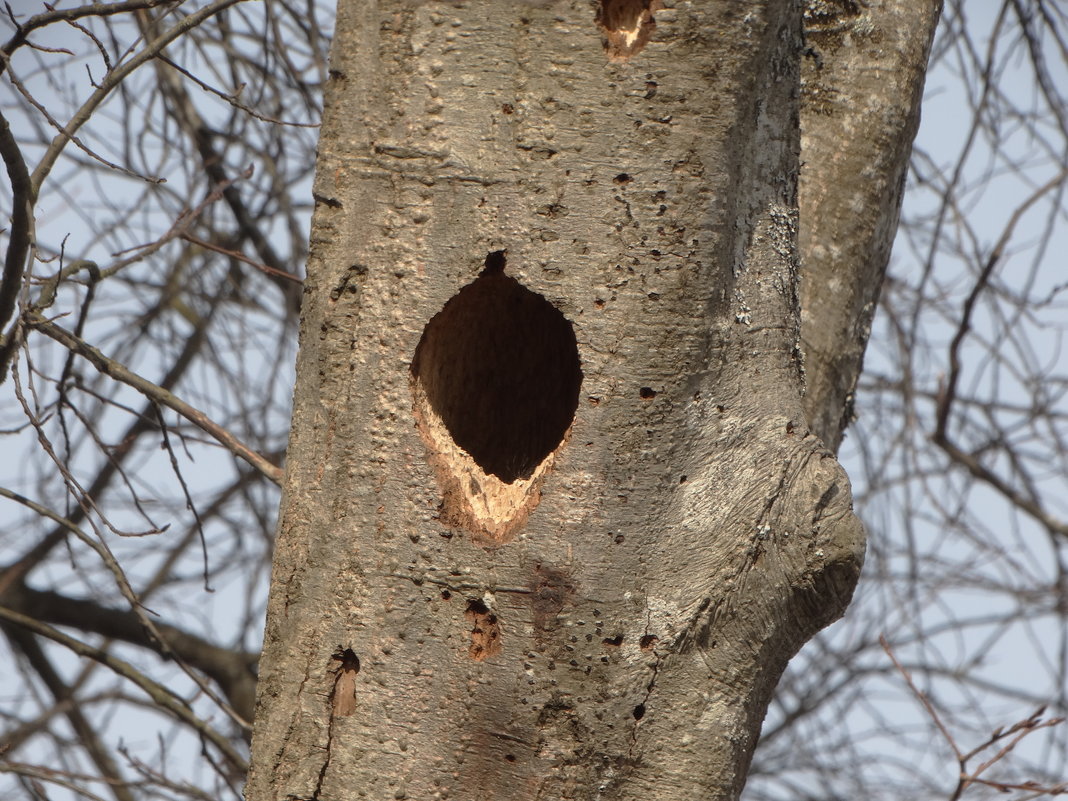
pixel 162 697
pixel 156 393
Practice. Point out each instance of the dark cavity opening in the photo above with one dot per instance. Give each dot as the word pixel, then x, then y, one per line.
pixel 477 607
pixel 500 367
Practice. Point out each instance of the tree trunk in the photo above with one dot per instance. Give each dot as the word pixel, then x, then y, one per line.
pixel 862 80
pixel 553 520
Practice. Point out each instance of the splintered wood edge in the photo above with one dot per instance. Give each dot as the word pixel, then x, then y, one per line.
pixel 472 500
pixel 627 26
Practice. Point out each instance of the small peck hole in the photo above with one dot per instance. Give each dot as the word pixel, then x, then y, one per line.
pixel 485 631
pixel 626 25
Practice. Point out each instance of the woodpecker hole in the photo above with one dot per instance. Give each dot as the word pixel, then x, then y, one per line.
pixel 496 380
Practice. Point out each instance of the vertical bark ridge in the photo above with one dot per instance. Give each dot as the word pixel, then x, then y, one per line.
pixel 862 82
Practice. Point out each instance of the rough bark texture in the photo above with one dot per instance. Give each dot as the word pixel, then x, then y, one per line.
pixel 606 614
pixel 862 82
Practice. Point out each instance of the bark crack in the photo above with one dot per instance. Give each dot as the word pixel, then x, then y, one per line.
pixel 342 704
pixel 281 756
pixel 326 762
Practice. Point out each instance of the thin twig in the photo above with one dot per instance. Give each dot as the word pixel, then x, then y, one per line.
pixel 115 77
pixel 965 778
pixel 23 30
pixel 921 696
pixel 156 393
pixel 161 696
pixel 19 241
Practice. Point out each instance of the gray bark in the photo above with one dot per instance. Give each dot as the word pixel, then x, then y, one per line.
pixel 473 595
pixel 862 80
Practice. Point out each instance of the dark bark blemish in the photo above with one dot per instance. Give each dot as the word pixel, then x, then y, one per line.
pixel 332 202
pixel 349 283
pixel 550 591
pixel 495 263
